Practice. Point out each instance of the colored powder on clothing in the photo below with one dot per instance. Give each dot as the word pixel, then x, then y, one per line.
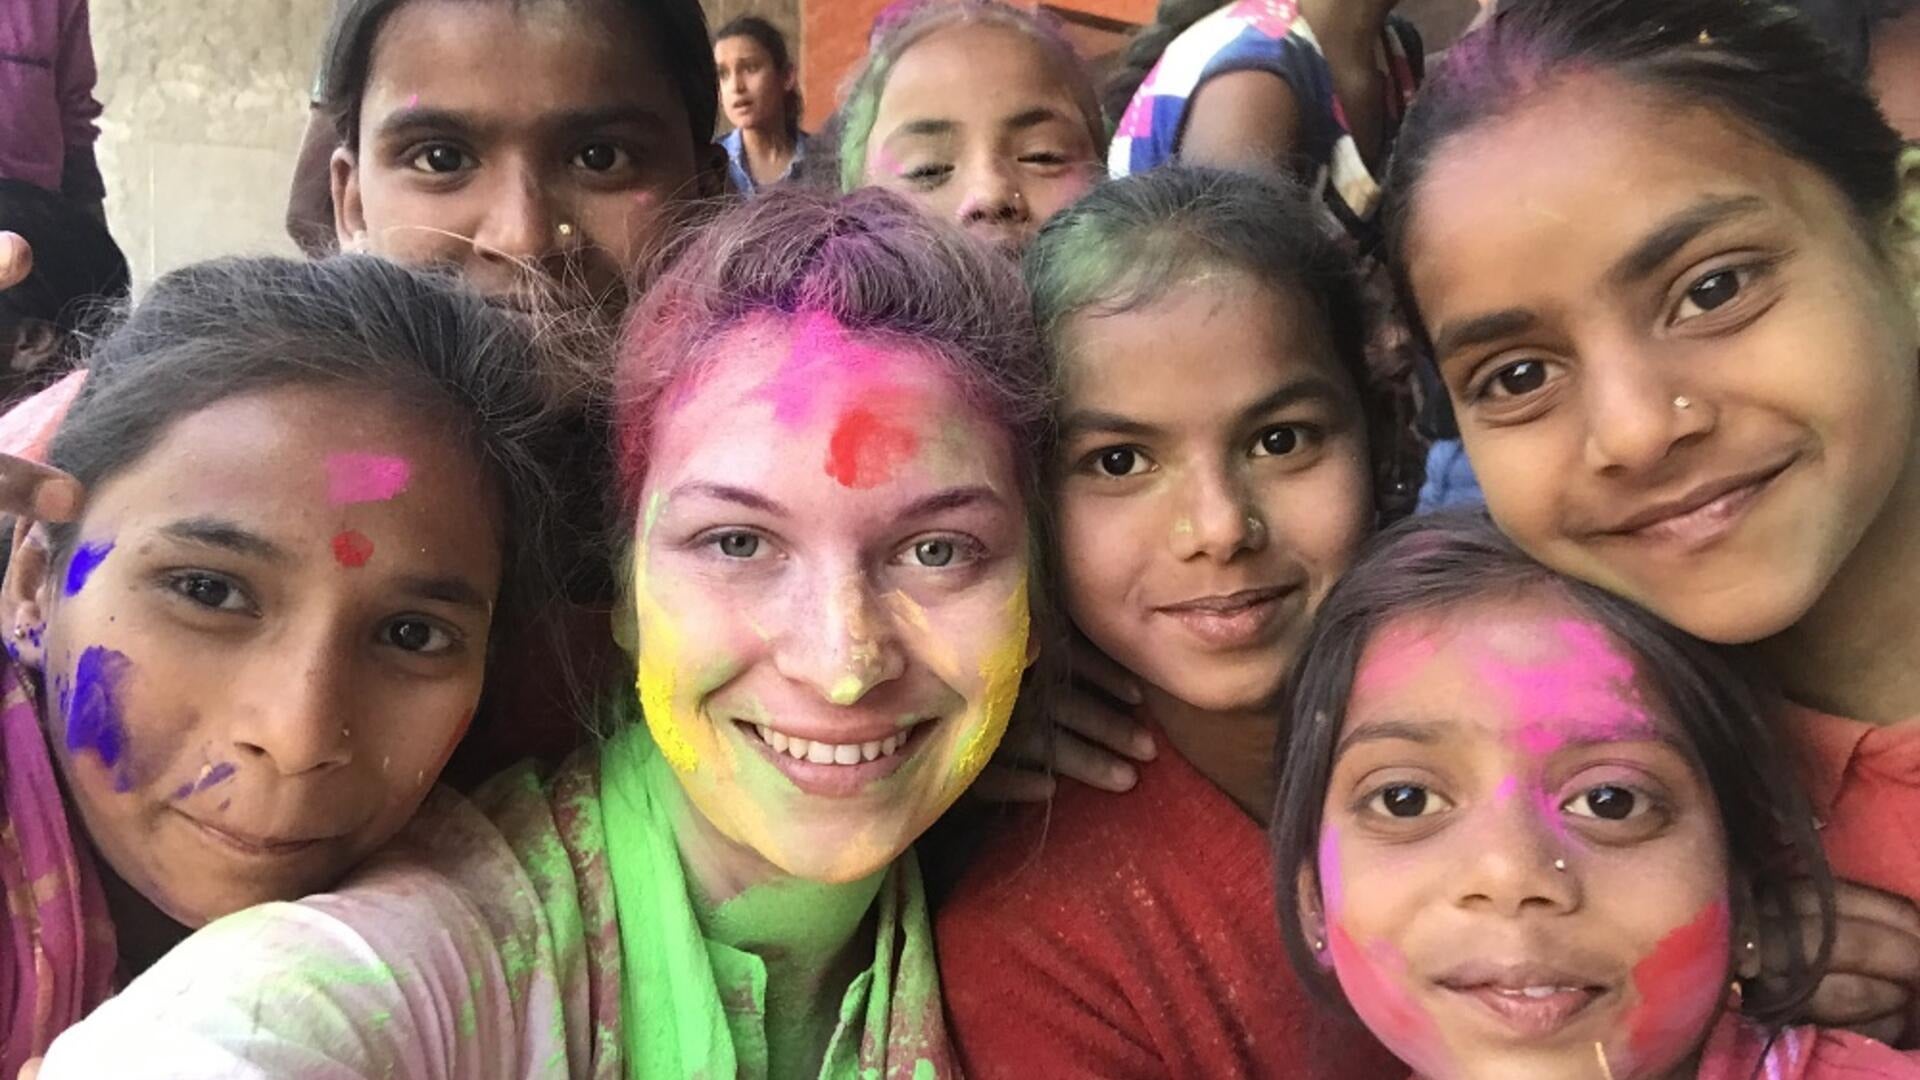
pixel 365 478
pixel 352 549
pixel 866 448
pixel 93 710
pixel 1002 670
pixel 86 559
pixel 1680 984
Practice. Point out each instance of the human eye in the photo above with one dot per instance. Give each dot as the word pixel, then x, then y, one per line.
pixel 1608 802
pixel 1512 380
pixel 1281 440
pixel 939 552
pixel 927 174
pixel 1117 461
pixel 1726 292
pixel 1406 801
pixel 419 635
pixel 215 592
pixel 602 157
pixel 1048 158
pixel 440 159
pixel 737 544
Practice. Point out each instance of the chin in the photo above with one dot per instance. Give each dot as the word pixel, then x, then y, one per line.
pixel 1739 617
pixel 839 860
pixel 1224 692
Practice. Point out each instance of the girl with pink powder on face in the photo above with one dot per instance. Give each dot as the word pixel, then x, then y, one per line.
pixel 1528 830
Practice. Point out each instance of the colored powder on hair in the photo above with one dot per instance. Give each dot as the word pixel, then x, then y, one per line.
pixel 86 559
pixel 365 478
pixel 352 549
pixel 1680 983
pixel 866 448
pixel 1002 669
pixel 93 710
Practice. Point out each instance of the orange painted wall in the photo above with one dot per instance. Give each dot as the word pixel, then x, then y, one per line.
pixel 833 38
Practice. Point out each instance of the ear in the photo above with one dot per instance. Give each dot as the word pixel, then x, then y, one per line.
pixel 349 215
pixel 35 343
pixel 25 595
pixel 625 614
pixel 1313 917
pixel 788 83
pixel 1904 237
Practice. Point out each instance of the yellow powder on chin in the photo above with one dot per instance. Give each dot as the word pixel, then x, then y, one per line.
pixel 1002 670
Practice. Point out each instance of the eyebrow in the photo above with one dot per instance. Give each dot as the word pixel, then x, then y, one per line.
pixel 1088 421
pixel 922 128
pixel 223 535
pixel 445 590
pixel 1480 330
pixel 1678 231
pixel 739 496
pixel 1428 733
pixel 436 118
pixel 959 498
pixel 1034 117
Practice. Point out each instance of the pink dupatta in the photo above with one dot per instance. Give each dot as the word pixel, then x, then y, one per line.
pixel 57 951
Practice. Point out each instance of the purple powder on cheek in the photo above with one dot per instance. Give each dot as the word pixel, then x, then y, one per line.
pixel 93 714
pixel 86 559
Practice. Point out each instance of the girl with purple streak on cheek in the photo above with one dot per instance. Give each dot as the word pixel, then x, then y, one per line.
pixel 1528 831
pixel 204 706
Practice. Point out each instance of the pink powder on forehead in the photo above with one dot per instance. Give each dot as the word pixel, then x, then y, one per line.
pixel 1588 688
pixel 365 478
pixel 825 363
pixel 1396 655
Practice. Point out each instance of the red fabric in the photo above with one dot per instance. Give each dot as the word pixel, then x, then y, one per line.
pixel 1134 936
pixel 27 429
pixel 1742 1050
pixel 1865 785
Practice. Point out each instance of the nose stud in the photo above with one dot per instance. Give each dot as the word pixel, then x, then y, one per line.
pixel 1682 403
pixel 566 230
pixel 1560 865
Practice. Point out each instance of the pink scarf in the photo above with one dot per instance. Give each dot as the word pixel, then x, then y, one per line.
pixel 57 952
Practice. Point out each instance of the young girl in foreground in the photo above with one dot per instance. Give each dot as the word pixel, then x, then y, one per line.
pixel 1529 829
pixel 1213 478
pixel 1668 261
pixel 979 113
pixel 830 427
pixel 313 493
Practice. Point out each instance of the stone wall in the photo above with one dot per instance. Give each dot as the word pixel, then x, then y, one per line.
pixel 205 101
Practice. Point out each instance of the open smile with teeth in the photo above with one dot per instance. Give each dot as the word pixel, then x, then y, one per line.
pixel 824 753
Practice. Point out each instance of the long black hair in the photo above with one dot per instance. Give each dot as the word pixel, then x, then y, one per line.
pixel 769 37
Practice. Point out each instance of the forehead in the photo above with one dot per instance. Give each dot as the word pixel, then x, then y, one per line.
pixel 1534 665
pixel 1004 73
pixel 1551 194
pixel 1202 348
pixel 781 394
pixel 538 57
pixel 740 47
pixel 279 448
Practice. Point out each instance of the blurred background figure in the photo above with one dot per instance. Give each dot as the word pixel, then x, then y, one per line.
pixel 760 97
pixel 47 107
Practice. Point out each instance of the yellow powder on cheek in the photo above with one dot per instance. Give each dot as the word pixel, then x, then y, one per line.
pixel 659 661
pixel 1002 670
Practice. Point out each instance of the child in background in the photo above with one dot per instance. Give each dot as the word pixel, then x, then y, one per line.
pixel 1313 89
pixel 976 111
pixel 1528 830
pixel 78 275
pixel 760 97
pixel 1709 201
pixel 1213 478
pixel 313 493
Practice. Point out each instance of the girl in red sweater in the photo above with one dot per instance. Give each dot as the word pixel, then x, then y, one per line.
pixel 1527 829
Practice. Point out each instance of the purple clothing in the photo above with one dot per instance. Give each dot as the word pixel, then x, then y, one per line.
pixel 47 108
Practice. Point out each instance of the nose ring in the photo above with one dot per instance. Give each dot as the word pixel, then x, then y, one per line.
pixel 1682 403
pixel 565 229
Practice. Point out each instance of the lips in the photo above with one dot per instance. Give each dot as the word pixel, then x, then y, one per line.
pixel 1231 620
pixel 257 846
pixel 1529 1000
pixel 843 766
pixel 1704 514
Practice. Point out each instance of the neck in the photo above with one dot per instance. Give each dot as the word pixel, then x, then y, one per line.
pixel 769 143
pixel 813 937
pixel 1233 749
pixel 1853 653
pixel 1346 26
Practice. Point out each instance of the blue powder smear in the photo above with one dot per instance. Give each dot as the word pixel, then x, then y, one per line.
pixel 93 714
pixel 86 559
pixel 213 774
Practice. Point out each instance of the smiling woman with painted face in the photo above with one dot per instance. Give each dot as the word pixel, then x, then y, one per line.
pixel 830 431
pixel 313 491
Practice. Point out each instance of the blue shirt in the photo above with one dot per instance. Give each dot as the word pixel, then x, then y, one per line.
pixel 735 145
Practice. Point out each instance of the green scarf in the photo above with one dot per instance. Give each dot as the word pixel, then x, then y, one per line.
pixel 674 1020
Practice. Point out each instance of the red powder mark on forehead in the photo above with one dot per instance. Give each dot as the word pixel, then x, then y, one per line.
pixel 352 550
pixel 866 448
pixel 1679 983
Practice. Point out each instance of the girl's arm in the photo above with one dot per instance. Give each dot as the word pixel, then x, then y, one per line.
pixel 1246 120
